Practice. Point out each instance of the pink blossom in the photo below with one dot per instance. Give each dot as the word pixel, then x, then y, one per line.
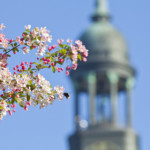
pixel 28 27
pixel 74 67
pixel 2 26
pixel 69 41
pixel 60 41
pixel 25 85
pixel 18 39
pixel 25 50
pixel 78 42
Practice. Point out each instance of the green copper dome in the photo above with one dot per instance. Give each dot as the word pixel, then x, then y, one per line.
pixel 107 47
pixel 105 43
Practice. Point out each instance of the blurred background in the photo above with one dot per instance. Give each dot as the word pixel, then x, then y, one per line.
pixel 49 128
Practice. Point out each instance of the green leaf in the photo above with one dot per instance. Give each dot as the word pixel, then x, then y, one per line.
pixel 37 102
pixel 40 60
pixel 1 107
pixel 61 45
pixel 51 58
pixel 13 100
pixel 15 49
pixel 29 68
pixel 25 33
pixel 31 48
pixel 59 62
pixel 21 95
pixel 31 71
pixel 45 67
pixel 39 38
pixel 53 68
pixel 47 53
pixel 54 54
pixel 35 63
pixel 30 82
pixel 63 51
pixel 15 44
pixel 28 97
pixel 79 57
pixel 39 66
pixel 21 105
pixel 27 30
pixel 32 87
pixel 8 55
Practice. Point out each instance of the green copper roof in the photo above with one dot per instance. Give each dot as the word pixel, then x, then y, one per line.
pixel 102 7
pixel 101 10
pixel 105 43
pixel 107 47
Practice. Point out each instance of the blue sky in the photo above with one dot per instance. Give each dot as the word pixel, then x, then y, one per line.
pixel 49 128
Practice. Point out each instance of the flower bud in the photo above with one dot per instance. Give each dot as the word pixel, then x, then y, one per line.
pixel 11 41
pixel 61 60
pixel 25 108
pixel 67 73
pixel 52 63
pixel 10 113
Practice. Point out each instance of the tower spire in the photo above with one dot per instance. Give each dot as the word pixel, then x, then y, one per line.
pixel 101 10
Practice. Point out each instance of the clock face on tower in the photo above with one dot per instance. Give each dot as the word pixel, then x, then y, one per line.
pixel 103 145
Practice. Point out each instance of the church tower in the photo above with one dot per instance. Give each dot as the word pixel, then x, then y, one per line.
pixel 105 75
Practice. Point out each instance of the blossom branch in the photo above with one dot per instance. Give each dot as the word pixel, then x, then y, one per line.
pixel 25 86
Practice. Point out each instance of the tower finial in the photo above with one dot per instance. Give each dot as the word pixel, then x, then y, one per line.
pixel 101 10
